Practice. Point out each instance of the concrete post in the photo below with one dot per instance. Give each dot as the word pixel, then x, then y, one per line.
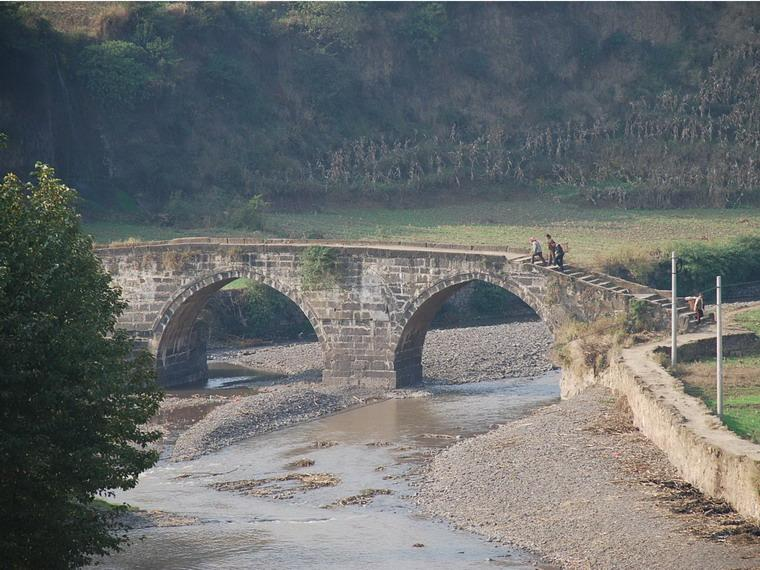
pixel 674 312
pixel 719 347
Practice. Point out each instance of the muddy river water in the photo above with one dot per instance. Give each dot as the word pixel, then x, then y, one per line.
pixel 376 447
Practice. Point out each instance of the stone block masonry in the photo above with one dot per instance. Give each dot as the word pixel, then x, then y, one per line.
pixel 371 320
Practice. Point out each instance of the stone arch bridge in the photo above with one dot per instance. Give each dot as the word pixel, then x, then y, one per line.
pixel 371 320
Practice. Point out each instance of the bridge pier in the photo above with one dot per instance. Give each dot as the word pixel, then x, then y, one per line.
pixel 186 361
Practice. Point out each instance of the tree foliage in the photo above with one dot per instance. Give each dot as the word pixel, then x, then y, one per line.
pixel 74 396
pixel 268 310
pixel 736 260
pixel 308 102
pixel 117 71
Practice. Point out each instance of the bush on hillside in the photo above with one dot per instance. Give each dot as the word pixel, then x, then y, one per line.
pixel 117 71
pixel 213 209
pixel 248 215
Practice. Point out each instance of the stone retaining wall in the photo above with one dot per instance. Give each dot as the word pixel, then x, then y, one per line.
pixel 706 453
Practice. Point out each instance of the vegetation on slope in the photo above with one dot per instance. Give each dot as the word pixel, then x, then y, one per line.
pixel 150 107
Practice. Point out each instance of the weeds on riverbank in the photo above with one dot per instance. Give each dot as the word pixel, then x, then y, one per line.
pixel 587 347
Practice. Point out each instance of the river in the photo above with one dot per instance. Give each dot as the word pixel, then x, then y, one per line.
pixel 375 447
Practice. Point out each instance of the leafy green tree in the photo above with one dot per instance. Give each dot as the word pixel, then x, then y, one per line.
pixel 249 215
pixel 74 394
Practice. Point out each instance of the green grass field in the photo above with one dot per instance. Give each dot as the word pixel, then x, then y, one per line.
pixel 741 409
pixel 741 393
pixel 591 233
pixel 750 320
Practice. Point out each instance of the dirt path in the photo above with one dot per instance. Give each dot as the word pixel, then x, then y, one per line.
pixel 577 483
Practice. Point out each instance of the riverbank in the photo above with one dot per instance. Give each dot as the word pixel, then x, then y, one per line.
pixel 577 483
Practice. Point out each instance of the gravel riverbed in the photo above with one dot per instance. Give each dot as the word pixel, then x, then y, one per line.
pixel 578 484
pixel 452 356
pixel 574 482
pixel 270 409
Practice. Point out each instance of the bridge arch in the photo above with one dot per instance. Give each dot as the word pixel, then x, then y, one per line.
pixel 180 348
pixel 411 328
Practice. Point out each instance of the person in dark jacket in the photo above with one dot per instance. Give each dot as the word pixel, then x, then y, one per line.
pixel 552 245
pixel 559 256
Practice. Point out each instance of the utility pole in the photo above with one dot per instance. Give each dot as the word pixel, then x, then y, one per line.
pixel 719 347
pixel 673 312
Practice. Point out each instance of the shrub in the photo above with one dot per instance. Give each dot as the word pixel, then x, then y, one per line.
pixel 588 347
pixel 424 27
pixel 117 71
pixel 737 261
pixel 640 316
pixel 318 267
pixel 248 216
pixel 212 208
pixel 271 314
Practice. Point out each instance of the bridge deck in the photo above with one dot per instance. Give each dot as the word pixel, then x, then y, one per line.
pixel 511 253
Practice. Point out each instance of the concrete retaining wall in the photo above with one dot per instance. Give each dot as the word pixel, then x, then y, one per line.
pixel 706 453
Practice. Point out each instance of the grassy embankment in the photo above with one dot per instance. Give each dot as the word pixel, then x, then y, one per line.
pixel 741 392
pixel 592 233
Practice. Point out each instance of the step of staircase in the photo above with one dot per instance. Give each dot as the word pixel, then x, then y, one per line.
pixel 647 296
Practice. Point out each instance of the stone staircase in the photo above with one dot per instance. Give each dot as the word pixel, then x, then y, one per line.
pixel 687 321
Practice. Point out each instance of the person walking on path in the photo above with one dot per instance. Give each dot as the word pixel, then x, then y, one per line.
pixel 552 245
pixel 536 251
pixel 559 256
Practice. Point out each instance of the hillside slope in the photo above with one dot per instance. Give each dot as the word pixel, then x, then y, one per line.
pixel 176 107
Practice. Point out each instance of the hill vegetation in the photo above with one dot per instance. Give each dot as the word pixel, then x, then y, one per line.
pixel 181 113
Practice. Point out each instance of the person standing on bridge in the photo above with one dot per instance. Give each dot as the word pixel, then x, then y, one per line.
pixel 559 256
pixel 552 245
pixel 536 251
